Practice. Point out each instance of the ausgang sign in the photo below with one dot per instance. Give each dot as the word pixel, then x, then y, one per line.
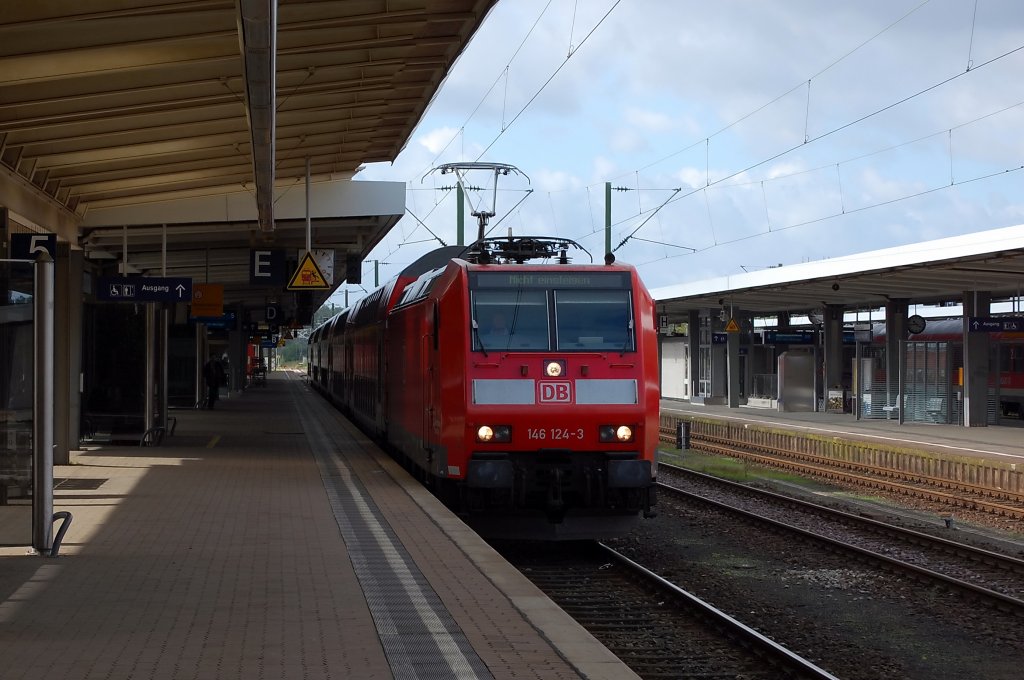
pixel 999 324
pixel 144 289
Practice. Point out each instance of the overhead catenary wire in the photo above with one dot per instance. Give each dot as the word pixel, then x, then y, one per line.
pixel 823 218
pixel 844 126
pixel 723 181
pixel 504 73
pixel 891 147
pixel 621 243
pixel 785 94
pixel 422 224
pixel 970 45
pixel 527 194
pixel 548 81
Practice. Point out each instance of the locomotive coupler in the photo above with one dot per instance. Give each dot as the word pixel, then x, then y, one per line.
pixel 556 503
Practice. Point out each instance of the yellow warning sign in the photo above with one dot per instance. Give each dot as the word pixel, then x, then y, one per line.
pixel 732 326
pixel 308 276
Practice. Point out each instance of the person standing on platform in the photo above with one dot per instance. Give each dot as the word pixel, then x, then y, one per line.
pixel 213 376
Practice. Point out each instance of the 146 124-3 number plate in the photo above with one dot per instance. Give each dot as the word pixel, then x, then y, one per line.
pixel 555 433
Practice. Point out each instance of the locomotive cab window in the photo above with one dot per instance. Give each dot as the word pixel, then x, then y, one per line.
pixel 593 320
pixel 510 320
pixel 567 311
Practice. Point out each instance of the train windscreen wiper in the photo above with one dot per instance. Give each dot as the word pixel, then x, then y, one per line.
pixel 476 334
pixel 629 333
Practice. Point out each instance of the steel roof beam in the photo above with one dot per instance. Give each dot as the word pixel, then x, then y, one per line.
pixel 257 33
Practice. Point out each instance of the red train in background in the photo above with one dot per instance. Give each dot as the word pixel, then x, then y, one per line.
pixel 1006 363
pixel 525 395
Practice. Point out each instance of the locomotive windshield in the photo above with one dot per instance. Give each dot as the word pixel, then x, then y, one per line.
pixel 593 319
pixel 510 320
pixel 574 311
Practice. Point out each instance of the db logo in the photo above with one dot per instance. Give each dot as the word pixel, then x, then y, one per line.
pixel 555 392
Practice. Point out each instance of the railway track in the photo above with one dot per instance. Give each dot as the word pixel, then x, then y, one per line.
pixel 946 491
pixel 624 605
pixel 996 579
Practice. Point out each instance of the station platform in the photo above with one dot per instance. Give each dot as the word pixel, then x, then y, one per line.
pixel 993 443
pixel 268 538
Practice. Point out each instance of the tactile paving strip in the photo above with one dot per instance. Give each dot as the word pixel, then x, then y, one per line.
pixel 419 635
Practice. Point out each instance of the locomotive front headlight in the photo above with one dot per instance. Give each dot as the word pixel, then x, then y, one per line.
pixel 500 434
pixel 553 369
pixel 615 433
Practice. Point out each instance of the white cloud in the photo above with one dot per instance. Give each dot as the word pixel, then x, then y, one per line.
pixel 784 169
pixel 555 180
pixel 437 139
pixel 649 121
pixel 873 188
pixel 691 177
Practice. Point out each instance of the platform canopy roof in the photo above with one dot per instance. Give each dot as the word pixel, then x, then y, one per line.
pixel 111 109
pixel 930 272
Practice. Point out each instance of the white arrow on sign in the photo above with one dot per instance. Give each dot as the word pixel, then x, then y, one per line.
pixel 181 289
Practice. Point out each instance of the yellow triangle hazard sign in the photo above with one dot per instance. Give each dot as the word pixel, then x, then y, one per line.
pixel 732 326
pixel 308 276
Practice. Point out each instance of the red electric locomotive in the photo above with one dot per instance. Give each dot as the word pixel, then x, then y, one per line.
pixel 526 395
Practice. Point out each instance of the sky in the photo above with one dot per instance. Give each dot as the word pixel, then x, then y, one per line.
pixel 743 134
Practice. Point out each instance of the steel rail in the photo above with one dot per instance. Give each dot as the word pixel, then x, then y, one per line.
pixel 1000 599
pixel 745 633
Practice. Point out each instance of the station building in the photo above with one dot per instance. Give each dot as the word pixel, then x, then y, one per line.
pixel 930 332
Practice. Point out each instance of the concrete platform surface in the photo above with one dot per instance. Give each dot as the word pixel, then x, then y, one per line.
pixel 269 539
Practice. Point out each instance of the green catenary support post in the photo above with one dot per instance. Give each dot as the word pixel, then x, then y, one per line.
pixel 461 214
pixel 607 217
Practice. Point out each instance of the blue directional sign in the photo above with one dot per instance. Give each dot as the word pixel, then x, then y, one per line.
pixel 1002 324
pixel 144 289
pixel 795 337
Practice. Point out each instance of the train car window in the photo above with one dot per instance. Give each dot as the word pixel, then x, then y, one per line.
pixel 510 320
pixel 420 288
pixel 593 320
pixel 407 295
pixel 1011 358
